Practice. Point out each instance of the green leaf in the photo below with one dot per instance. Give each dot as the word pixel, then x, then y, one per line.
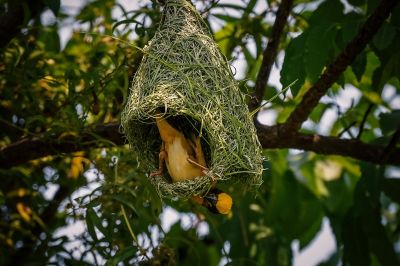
pixel 124 200
pixel 349 29
pixel 232 6
pixel 395 18
pixel 250 7
pixel 328 12
pixel 359 65
pixel 90 225
pixel 367 212
pixel 390 122
pixel 293 210
pixel 124 254
pixel 253 67
pixel 333 260
pixel 293 67
pixel 50 39
pixel 373 97
pixel 357 2
pixel 318 112
pixel 356 249
pixel 370 182
pixel 226 18
pixel 270 92
pixel 391 187
pixel 371 5
pixel 95 222
pixel 390 65
pixel 384 37
pixel 318 46
pixel 225 38
pixel 53 5
pixel 338 206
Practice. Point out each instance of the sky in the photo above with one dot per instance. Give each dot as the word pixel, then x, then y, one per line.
pixel 324 243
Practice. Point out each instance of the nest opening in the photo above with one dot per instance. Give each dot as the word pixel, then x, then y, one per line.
pixel 187 125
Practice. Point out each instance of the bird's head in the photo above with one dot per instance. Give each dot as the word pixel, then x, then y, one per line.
pixel 216 201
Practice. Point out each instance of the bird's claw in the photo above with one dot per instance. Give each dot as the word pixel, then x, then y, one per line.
pixel 156 173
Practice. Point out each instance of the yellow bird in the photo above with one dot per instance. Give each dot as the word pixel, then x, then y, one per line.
pixel 184 158
pixel 215 201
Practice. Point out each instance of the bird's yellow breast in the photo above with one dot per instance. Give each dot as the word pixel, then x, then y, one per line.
pixel 177 162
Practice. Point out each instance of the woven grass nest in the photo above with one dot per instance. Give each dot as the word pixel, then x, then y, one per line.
pixel 184 74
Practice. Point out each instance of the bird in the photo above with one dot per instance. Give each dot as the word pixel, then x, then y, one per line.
pixel 182 152
pixel 183 155
pixel 215 201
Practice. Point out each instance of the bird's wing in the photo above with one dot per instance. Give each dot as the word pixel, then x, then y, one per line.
pixel 198 150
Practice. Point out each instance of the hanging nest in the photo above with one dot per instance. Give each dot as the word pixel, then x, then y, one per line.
pixel 184 74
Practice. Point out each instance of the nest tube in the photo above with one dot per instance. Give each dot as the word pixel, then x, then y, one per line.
pixel 184 73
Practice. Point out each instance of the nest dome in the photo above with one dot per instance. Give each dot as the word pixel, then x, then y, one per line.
pixel 184 73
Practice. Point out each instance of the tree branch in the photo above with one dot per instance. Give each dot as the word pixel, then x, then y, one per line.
pixel 335 69
pixel 36 147
pixel 270 53
pixel 273 137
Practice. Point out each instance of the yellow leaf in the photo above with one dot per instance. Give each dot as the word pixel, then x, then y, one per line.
pixel 50 61
pixel 76 168
pixel 68 134
pixel 10 242
pixel 36 218
pixel 37 162
pixel 24 211
pixel 22 192
pixel 373 97
pixel 328 170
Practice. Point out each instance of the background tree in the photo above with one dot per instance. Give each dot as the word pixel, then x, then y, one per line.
pixel 63 160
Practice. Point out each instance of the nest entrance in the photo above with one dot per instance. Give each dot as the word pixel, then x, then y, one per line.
pixel 185 74
pixel 190 128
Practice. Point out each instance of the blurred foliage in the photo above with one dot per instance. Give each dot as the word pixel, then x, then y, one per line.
pixel 96 207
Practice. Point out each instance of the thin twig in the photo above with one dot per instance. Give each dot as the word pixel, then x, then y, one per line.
pixel 270 53
pixel 142 250
pixel 204 13
pixel 346 129
pixel 364 119
pixel 129 226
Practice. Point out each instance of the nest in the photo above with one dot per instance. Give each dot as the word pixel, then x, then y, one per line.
pixel 184 73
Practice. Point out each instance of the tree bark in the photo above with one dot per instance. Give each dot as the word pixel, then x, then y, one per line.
pixel 270 53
